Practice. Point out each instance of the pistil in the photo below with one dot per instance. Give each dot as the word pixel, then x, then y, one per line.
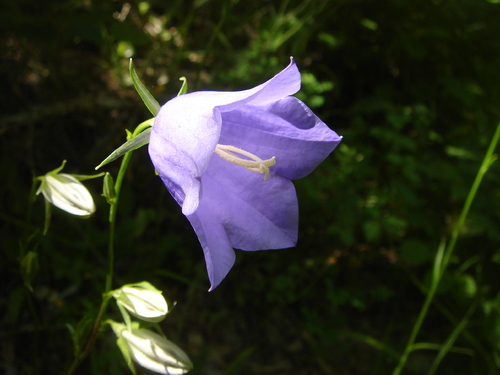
pixel 253 163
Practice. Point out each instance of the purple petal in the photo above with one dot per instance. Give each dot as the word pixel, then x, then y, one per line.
pixel 286 129
pixel 285 83
pixel 187 129
pixel 255 214
pixel 219 255
pixel 177 169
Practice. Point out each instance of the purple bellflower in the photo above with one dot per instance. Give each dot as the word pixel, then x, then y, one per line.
pixel 228 157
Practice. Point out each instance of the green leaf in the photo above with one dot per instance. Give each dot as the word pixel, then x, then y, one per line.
pixel 437 269
pixel 132 144
pixel 143 92
pixel 448 345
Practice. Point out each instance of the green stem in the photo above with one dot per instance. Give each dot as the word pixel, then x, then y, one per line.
pixel 112 219
pixel 488 160
pixel 109 276
pixel 443 262
pixel 27 224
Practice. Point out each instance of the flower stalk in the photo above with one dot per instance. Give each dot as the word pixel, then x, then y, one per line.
pixel 109 275
pixel 445 251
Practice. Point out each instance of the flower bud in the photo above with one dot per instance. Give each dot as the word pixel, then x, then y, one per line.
pixel 67 193
pixel 143 301
pixel 108 189
pixel 155 353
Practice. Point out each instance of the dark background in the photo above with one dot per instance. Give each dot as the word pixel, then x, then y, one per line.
pixel 414 88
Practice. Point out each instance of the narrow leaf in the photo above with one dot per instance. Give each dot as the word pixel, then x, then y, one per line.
pixel 451 339
pixel 132 144
pixel 437 270
pixel 143 92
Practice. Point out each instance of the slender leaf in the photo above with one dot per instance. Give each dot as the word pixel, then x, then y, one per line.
pixel 132 144
pixel 447 346
pixel 143 92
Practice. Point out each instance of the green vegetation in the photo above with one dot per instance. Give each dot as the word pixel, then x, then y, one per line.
pixel 414 88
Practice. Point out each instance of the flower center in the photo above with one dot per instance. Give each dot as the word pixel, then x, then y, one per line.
pixel 253 163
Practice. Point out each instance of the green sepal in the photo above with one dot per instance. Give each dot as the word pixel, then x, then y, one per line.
pixel 184 87
pixel 42 178
pixel 131 145
pixel 83 177
pixel 143 284
pixel 29 268
pixel 108 188
pixel 57 170
pixel 143 92
pixel 128 135
pixel 79 177
pixel 122 299
pixel 122 345
pixel 125 314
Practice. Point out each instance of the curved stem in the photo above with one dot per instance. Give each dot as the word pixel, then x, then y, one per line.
pixel 109 276
pixel 443 259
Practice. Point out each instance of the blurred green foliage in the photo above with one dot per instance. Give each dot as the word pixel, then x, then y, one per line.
pixel 413 86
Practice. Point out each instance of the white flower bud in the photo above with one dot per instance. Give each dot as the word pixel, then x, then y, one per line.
pixel 67 193
pixel 144 303
pixel 156 353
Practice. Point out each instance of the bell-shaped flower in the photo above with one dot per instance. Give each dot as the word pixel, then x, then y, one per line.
pixel 143 301
pixel 66 192
pixel 152 351
pixel 228 157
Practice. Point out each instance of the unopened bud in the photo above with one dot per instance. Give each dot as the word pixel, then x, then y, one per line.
pixel 143 301
pixel 67 193
pixel 152 351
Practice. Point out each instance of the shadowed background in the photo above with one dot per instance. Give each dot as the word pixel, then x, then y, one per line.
pixel 413 86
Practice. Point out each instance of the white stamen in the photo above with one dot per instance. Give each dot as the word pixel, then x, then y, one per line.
pixel 256 164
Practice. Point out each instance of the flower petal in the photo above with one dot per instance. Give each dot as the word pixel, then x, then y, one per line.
pixel 67 193
pixel 239 209
pixel 178 171
pixel 286 82
pixel 286 129
pixel 187 129
pixel 156 353
pixel 142 303
pixel 219 254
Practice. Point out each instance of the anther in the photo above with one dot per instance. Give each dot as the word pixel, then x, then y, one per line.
pixel 253 163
